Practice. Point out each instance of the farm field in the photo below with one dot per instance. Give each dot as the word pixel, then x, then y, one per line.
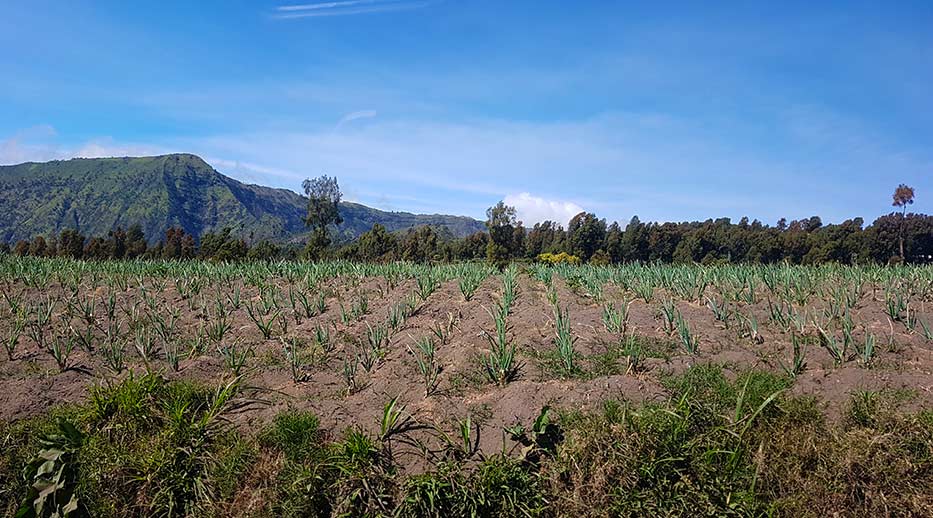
pixel 351 389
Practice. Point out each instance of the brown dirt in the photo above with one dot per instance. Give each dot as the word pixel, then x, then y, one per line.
pixel 31 383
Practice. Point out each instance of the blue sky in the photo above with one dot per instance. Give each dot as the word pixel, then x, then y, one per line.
pixel 673 111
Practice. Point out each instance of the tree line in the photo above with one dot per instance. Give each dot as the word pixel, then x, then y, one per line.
pixel 893 238
pixel 132 244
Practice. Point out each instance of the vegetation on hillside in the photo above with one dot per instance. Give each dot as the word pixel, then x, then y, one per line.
pixel 185 209
pixel 97 196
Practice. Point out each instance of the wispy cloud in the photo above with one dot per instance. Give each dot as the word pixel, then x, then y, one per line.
pixel 352 116
pixel 326 5
pixel 345 8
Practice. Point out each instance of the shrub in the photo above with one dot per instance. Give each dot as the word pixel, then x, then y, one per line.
pixel 561 258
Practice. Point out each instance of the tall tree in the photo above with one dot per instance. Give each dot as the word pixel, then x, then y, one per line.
pixel 903 196
pixel 472 247
pixel 613 244
pixel 544 237
pixel 587 234
pixel 501 223
pixel 116 242
pixel 136 244
pixel 635 241
pixel 38 247
pixel 323 211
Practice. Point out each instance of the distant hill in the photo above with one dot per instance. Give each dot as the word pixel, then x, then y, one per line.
pixel 97 195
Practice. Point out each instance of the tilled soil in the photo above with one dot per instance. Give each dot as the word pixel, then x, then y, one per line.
pixel 31 383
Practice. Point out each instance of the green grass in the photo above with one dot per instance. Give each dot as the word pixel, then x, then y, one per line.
pixel 151 447
pixel 719 446
pixel 614 360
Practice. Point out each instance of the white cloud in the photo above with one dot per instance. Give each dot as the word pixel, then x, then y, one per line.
pixel 533 209
pixel 352 116
pixel 107 147
pixel 37 144
pixel 345 7
pixel 323 5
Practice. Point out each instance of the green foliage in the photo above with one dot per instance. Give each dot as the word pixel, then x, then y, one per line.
pixel 561 258
pixel 541 440
pixel 499 364
pixel 501 224
pixel 716 447
pixel 54 476
pixel 163 191
pixel 587 234
pixel 425 354
pixel 564 340
pixel 222 246
pixel 142 446
pixel 173 199
pixel 296 434
pixel 323 211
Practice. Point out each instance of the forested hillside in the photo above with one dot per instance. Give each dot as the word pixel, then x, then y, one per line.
pixel 95 196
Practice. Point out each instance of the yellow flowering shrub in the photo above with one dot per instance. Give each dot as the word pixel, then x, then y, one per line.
pixel 562 257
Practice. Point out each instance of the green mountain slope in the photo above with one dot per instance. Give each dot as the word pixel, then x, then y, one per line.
pixel 100 194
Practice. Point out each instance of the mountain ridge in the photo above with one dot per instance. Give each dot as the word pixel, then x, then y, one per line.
pixel 96 195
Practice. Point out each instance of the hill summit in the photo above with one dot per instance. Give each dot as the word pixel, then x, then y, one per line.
pixel 96 195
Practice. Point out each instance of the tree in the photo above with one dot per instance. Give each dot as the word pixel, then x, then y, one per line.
pixel 587 234
pixel 97 249
pixel 263 251
pixel 38 247
pixel 21 248
pixel 70 244
pixel 613 244
pixel 663 241
pixel 116 241
pixel 323 210
pixel 420 244
pixel 500 222
pixel 903 196
pixel 136 244
pixel 544 237
pixel 178 244
pixel 222 246
pixel 472 247
pixel 375 244
pixel 517 247
pixel 635 241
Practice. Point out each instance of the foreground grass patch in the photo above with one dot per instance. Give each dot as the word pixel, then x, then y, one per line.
pixel 147 447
